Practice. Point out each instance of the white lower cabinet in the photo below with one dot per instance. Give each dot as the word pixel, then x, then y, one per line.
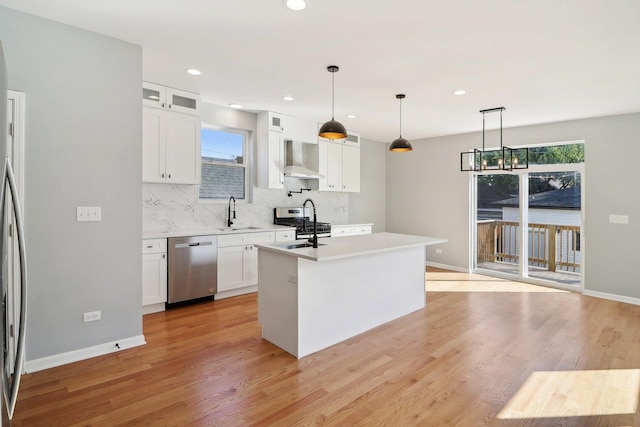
pixel 154 275
pixel 285 235
pixel 238 260
pixel 350 230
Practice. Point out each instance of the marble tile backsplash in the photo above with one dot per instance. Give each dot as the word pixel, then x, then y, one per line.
pixel 170 207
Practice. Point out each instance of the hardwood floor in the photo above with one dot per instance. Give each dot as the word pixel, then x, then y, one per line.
pixel 484 352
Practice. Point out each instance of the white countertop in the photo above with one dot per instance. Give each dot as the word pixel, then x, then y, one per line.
pixel 213 230
pixel 350 246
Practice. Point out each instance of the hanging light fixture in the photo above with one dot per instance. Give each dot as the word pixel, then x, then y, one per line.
pixel 400 144
pixel 333 129
pixel 504 158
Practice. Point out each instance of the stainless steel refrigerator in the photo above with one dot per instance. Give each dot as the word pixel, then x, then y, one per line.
pixel 13 292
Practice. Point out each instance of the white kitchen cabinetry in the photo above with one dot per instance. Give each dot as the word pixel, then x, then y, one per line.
pixel 353 138
pixel 154 275
pixel 168 98
pixel 286 235
pixel 350 230
pixel 238 262
pixel 170 138
pixel 270 150
pixel 339 164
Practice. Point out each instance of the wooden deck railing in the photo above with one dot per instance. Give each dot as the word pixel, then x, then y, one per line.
pixel 555 247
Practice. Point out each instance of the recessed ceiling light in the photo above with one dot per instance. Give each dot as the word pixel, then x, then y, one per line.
pixel 296 4
pixel 237 106
pixel 288 98
pixel 459 92
pixel 351 116
pixel 194 72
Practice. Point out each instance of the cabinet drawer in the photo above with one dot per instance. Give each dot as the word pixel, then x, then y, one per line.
pixel 154 246
pixel 232 240
pixel 362 229
pixel 266 237
pixel 341 231
pixel 285 235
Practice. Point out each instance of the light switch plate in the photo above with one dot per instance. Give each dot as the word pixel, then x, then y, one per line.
pixel 89 213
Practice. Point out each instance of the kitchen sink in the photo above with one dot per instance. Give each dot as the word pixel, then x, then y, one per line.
pixel 298 245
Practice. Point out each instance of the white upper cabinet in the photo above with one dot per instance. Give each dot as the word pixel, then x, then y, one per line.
pixel 353 138
pixel 170 136
pixel 350 168
pixel 179 101
pixel 270 150
pixel 274 121
pixel 338 161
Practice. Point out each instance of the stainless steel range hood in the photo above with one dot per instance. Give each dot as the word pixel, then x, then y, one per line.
pixel 295 162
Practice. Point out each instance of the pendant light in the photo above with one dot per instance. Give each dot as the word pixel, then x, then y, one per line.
pixel 504 158
pixel 400 144
pixel 333 129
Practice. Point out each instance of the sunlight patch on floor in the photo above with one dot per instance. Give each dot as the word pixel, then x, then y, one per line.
pixel 575 393
pixel 464 282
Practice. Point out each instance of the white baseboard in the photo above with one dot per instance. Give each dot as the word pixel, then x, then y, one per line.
pixel 236 292
pixel 153 308
pixel 82 354
pixel 447 267
pixel 613 297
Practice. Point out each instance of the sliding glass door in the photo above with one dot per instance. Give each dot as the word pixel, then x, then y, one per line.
pixel 527 225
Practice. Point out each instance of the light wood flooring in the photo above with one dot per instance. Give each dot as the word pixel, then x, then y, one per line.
pixel 483 352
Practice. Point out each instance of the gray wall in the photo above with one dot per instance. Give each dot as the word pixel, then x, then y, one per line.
pixel 369 204
pixel 83 132
pixel 428 195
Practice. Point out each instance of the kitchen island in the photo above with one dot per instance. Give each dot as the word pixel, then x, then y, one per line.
pixel 312 298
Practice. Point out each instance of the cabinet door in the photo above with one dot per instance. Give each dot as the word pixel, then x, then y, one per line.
pixel 181 101
pixel 251 266
pixel 275 160
pixel 231 267
pixel 334 166
pixel 275 122
pixel 353 138
pixel 154 278
pixel 153 95
pixel 153 147
pixel 350 168
pixel 182 149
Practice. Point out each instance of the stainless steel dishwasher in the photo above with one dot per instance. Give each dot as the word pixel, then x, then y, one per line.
pixel 193 269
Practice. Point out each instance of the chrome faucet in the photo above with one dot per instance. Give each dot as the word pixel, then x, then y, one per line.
pixel 314 239
pixel 229 218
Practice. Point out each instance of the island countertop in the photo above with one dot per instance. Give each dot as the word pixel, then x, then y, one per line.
pixel 351 246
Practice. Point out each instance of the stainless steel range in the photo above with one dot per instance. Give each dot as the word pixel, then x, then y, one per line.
pixel 299 217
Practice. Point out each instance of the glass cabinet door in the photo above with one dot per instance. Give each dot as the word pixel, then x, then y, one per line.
pixel 153 95
pixel 182 102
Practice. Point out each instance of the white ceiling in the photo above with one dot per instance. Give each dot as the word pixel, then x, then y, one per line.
pixel 544 60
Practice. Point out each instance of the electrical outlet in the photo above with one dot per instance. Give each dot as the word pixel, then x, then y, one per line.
pixel 92 316
pixel 89 213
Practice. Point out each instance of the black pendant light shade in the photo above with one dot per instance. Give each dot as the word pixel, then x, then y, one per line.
pixel 400 144
pixel 333 129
